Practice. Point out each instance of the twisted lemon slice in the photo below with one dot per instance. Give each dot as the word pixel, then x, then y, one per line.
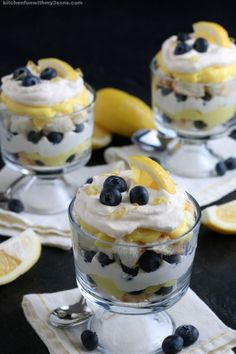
pixel 18 255
pixel 213 32
pixel 150 174
pixel 221 218
pixel 62 68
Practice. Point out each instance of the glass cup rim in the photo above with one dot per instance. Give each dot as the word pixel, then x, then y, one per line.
pixel 78 227
pixel 197 84
pixel 90 104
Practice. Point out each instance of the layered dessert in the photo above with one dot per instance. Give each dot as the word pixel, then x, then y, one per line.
pixel 194 79
pixel 134 233
pixel 47 115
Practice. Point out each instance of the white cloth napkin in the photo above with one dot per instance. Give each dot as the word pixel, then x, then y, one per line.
pixel 205 190
pixel 215 337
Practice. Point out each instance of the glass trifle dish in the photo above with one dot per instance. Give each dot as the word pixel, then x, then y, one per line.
pixel 46 129
pixel 134 240
pixel 194 94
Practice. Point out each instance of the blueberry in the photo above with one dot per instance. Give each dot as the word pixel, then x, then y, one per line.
pixel 139 195
pixel 39 163
pixel 55 137
pixel 89 339
pixel 164 290
pixel 111 197
pixel 104 259
pixel 21 73
pixel 182 37
pixel 48 74
pixel 154 159
pixel 172 344
pixel 15 205
pixel 34 136
pixel 221 168
pixel 89 180
pixel 116 182
pixel 165 91
pixel 207 96
pixel 71 158
pixel 130 271
pixel 182 48
pixel 233 134
pixel 150 261
pixel 79 128
pixel 199 124
pixel 88 256
pixel 230 163
pixel 175 258
pixel 30 80
pixel 137 292
pixel 200 45
pixel 180 97
pixel 189 334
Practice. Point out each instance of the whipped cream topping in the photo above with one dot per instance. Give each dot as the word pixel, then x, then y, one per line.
pixel 46 93
pixel 165 216
pixel 194 61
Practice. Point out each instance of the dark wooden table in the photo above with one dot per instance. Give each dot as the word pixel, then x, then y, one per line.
pixel 113 41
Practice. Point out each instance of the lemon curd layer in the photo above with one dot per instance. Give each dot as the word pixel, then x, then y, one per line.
pixel 56 160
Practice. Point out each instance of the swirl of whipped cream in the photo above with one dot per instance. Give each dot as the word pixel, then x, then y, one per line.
pixel 194 61
pixel 46 93
pixel 165 216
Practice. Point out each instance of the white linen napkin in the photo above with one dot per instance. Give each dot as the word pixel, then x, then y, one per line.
pixel 205 190
pixel 215 337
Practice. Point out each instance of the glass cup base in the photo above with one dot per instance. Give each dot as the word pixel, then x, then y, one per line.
pixel 122 334
pixel 43 195
pixel 191 158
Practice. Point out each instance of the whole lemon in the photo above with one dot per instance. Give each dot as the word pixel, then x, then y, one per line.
pixel 122 113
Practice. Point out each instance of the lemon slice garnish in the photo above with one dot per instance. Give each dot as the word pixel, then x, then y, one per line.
pixel 63 69
pixel 213 32
pixel 150 174
pixel 17 255
pixel 221 218
pixel 101 137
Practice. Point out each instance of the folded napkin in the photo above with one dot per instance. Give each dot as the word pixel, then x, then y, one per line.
pixel 215 337
pixel 205 190
pixel 53 229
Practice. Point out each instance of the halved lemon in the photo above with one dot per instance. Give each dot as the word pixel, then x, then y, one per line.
pixel 101 137
pixel 17 255
pixel 64 69
pixel 221 218
pixel 213 32
pixel 150 174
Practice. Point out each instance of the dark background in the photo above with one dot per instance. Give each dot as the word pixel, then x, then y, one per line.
pixel 113 42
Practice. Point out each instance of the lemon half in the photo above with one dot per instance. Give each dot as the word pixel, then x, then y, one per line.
pixel 221 218
pixel 18 254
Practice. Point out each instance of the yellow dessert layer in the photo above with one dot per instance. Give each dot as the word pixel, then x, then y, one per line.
pixel 57 160
pixel 41 115
pixel 140 236
pixel 211 74
pixel 217 116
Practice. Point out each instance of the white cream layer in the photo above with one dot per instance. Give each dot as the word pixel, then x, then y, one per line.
pixel 170 104
pixel 46 93
pixel 19 143
pixel 194 61
pixel 166 272
pixel 165 216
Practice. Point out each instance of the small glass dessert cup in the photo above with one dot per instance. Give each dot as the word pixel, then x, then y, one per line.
pixel 46 131
pixel 131 284
pixel 193 84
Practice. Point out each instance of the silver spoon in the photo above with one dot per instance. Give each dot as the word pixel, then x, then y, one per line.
pixel 153 140
pixel 70 315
